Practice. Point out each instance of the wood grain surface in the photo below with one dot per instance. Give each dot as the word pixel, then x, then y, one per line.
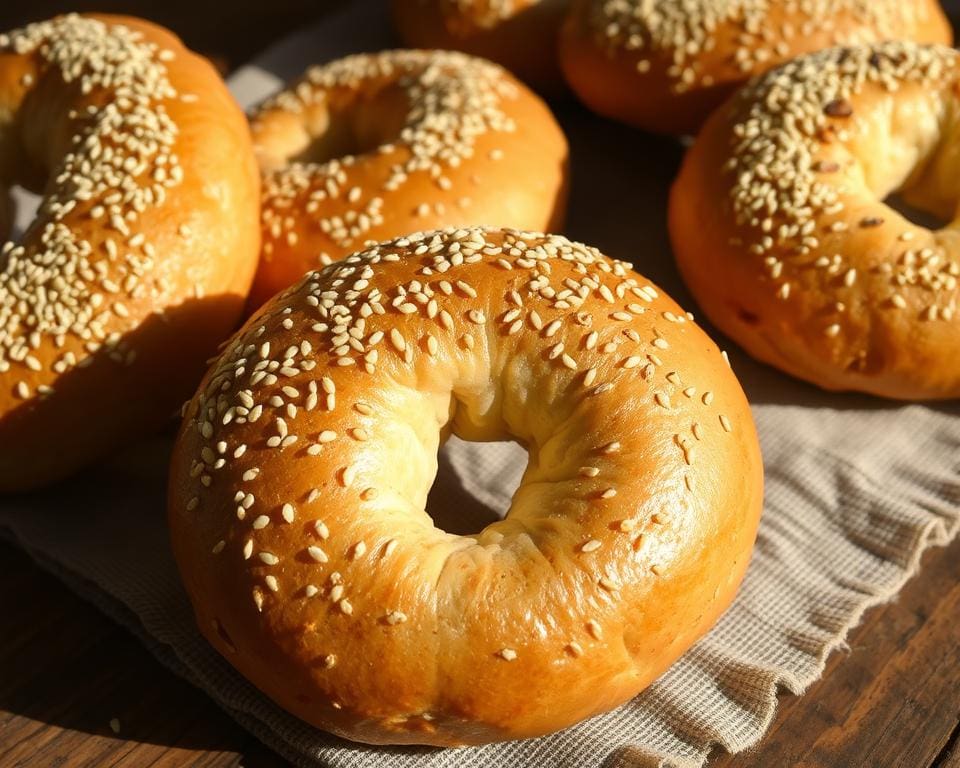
pixel 891 700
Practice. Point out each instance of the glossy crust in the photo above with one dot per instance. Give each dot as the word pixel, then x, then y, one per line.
pixel 520 35
pixel 373 146
pixel 144 246
pixel 301 472
pixel 664 67
pixel 780 230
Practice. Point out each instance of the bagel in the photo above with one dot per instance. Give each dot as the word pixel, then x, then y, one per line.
pixel 138 261
pixel 300 476
pixel 664 66
pixel 374 146
pixel 780 228
pixel 520 35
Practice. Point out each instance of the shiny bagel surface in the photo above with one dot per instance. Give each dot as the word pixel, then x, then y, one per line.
pixel 143 248
pixel 664 65
pixel 373 146
pixel 781 230
pixel 299 482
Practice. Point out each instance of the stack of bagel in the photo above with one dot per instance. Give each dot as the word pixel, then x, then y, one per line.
pixel 371 261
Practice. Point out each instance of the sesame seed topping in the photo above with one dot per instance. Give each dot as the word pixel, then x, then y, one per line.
pixel 507 654
pixel 593 627
pixel 787 128
pixel 686 34
pixel 317 554
pixel 55 283
pixel 557 279
pixel 452 101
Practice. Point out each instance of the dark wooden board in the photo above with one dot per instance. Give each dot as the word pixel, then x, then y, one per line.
pixel 892 700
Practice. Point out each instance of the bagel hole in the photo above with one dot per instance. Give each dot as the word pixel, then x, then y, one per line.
pixel 475 484
pixel 915 215
pixel 18 207
pixel 352 128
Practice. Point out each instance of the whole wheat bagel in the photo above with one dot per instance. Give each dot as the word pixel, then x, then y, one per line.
pixel 138 260
pixel 664 65
pixel 780 227
pixel 374 146
pixel 300 475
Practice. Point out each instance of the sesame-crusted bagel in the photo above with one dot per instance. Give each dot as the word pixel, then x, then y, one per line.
pixel 374 146
pixel 301 473
pixel 521 35
pixel 664 66
pixel 780 227
pixel 144 245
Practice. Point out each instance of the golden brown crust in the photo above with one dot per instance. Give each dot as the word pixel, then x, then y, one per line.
pixel 664 68
pixel 520 35
pixel 779 226
pixel 373 146
pixel 300 476
pixel 142 251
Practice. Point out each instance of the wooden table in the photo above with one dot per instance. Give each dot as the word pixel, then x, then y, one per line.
pixel 66 671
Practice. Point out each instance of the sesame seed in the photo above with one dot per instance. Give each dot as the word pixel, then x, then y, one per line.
pixel 608 584
pixel 317 554
pixel 593 627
